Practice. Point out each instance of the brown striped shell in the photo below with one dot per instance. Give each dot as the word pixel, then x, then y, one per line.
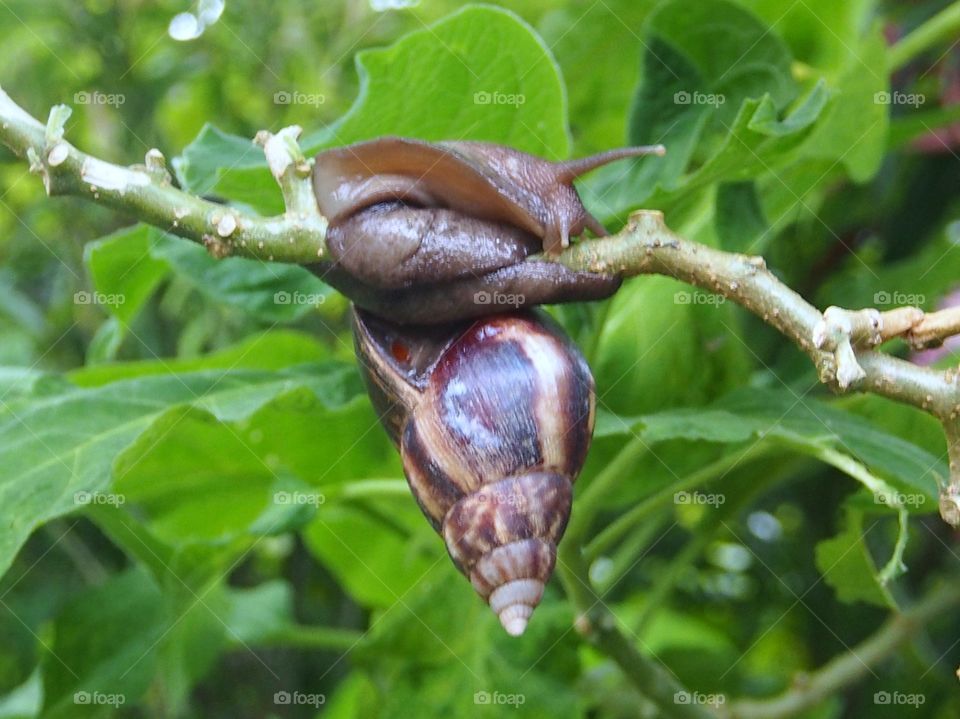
pixel 493 419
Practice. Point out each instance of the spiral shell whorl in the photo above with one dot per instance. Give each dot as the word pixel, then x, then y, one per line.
pixel 504 538
pixel 493 426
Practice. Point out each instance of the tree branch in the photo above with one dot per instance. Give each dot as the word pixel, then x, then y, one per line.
pixel 851 666
pixel 599 625
pixel 146 191
pixel 838 341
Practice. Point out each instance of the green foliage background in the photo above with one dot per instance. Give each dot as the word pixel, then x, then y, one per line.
pixel 185 411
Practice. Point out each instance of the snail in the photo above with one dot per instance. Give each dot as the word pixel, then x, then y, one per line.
pixel 492 411
pixel 418 230
pixel 493 418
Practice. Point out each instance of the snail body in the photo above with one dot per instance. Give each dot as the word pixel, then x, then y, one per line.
pixel 475 179
pixel 417 229
pixel 492 411
pixel 493 419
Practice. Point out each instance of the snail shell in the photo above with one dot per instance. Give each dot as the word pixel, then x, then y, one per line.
pixel 493 419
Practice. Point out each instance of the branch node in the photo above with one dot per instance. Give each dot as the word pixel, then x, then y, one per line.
pixel 226 225
pixel 837 331
pixel 57 154
pixel 217 247
pixel 36 164
pixel 281 150
pixel 56 122
pixel 156 165
pixel 950 505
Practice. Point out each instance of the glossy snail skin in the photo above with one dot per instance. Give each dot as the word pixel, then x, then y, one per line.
pixel 418 229
pixel 493 419
pixel 475 179
pixel 444 302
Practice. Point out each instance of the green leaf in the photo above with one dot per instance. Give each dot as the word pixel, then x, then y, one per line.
pixel 599 82
pixel 105 648
pixel 481 73
pixel 19 309
pixel 271 291
pixel 271 350
pixel 259 613
pixel 106 342
pixel 805 424
pixel 441 645
pixel 354 697
pixel 195 478
pixel 59 445
pixel 741 225
pixel 198 167
pixel 121 264
pixel 186 499
pixel 251 186
pixel 664 344
pixel 716 81
pixel 909 467
pixel 733 51
pixel 847 566
pixel 195 636
pixel 854 128
pixel 758 141
pixel 820 33
pixel 377 551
